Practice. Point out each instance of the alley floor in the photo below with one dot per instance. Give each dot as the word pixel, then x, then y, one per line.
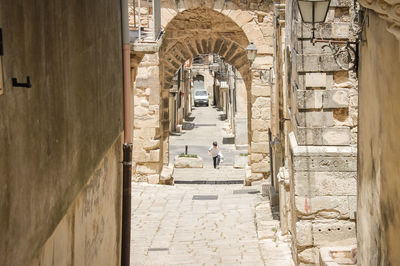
pixel 204 225
pixel 207 127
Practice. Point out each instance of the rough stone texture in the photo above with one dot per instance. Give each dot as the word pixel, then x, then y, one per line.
pixel 188 162
pixel 309 256
pixel 304 235
pixel 315 80
pixel 336 136
pixel 240 161
pixel 309 99
pixel 54 135
pixel 325 183
pixel 147 150
pixel 327 232
pixel 338 255
pixel 316 119
pixel 166 176
pixel 328 207
pixel 192 28
pixel 314 105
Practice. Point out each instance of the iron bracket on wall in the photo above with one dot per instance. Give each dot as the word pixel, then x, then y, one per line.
pixel 28 84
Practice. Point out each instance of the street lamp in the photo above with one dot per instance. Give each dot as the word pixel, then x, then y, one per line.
pixel 313 11
pixel 251 52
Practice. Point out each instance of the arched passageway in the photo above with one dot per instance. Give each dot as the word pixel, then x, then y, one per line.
pixel 189 33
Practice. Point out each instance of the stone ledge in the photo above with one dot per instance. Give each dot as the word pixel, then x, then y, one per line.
pixel 326 151
pixel 338 255
pixel 188 162
pixel 319 136
pixel 166 176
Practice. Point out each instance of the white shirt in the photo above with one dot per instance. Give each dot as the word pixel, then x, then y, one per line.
pixel 214 151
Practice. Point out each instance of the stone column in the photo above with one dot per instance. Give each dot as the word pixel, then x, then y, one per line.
pixel 146 142
pixel 241 138
pixel 322 155
pixel 259 124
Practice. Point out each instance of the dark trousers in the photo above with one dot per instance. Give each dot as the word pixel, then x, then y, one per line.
pixel 216 161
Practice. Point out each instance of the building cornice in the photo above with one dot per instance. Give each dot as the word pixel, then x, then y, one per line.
pixel 389 10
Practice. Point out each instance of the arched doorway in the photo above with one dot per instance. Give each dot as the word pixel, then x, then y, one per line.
pixel 189 33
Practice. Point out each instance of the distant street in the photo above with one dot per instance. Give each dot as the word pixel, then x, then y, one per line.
pixel 207 128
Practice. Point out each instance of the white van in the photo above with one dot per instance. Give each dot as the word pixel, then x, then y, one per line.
pixel 200 97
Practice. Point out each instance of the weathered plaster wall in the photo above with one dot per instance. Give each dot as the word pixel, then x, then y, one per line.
pixel 55 134
pixel 90 232
pixel 378 215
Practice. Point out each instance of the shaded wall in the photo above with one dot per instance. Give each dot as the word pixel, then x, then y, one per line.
pixel 378 216
pixel 54 135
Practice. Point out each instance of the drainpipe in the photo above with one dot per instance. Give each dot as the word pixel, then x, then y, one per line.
pixel 128 137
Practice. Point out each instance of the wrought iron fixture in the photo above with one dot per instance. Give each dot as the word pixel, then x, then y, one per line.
pixel 345 53
pixel 313 11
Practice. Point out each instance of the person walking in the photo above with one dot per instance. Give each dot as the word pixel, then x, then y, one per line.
pixel 214 152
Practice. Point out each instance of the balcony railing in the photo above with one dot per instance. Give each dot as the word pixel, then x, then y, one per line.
pixel 145 21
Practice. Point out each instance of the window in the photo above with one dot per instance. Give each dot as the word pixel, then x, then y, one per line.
pixel 201 93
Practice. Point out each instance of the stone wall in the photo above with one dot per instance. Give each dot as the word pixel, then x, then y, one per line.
pixel 90 231
pixel 241 128
pixel 378 215
pixel 319 140
pixel 54 135
pixel 147 151
pixel 193 28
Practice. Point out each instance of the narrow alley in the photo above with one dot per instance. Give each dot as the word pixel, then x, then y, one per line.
pixel 206 126
pixel 188 132
pixel 204 225
pixel 208 217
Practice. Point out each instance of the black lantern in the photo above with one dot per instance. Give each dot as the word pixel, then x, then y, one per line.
pixel 313 11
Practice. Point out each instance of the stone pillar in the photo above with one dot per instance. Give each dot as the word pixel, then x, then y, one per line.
pixel 259 124
pixel 320 150
pixel 146 142
pixel 241 134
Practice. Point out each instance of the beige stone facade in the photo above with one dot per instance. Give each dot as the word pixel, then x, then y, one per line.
pixel 314 132
pixel 193 28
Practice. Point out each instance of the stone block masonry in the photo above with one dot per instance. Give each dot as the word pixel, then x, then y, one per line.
pixel 315 120
pixel 147 148
pixel 191 29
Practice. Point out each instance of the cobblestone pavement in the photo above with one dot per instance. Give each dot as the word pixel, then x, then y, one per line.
pixel 236 228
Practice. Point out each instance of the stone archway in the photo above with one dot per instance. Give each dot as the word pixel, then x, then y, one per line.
pixel 189 32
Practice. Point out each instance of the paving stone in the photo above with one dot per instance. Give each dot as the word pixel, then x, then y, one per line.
pixel 180 231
